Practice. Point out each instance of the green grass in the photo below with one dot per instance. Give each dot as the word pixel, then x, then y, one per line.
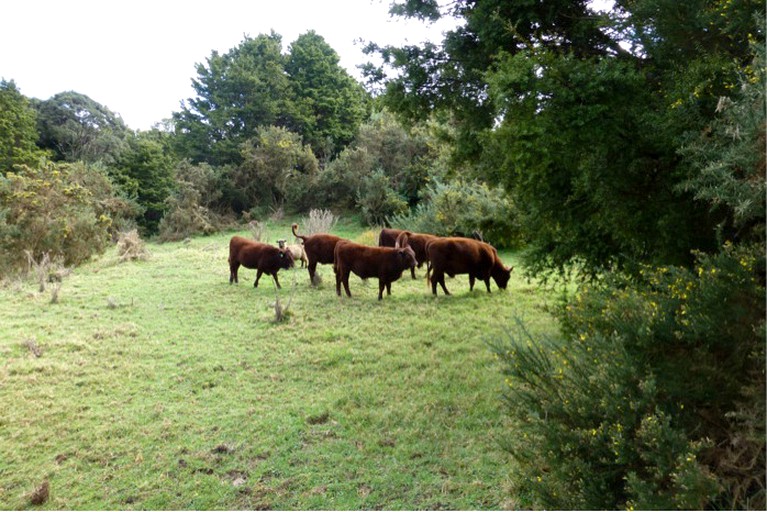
pixel 161 386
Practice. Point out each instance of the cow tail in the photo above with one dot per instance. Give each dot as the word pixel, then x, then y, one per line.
pixel 294 227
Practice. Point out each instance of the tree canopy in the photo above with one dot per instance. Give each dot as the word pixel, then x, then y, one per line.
pixel 582 115
pixel 256 85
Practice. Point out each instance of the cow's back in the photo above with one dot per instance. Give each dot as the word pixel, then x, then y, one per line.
pixel 388 237
pixel 458 256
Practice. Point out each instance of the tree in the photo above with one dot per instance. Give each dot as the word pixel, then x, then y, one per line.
pixel 582 115
pixel 237 93
pixel 145 171
pixel 276 168
pixel 329 104
pixel 75 127
pixel 18 131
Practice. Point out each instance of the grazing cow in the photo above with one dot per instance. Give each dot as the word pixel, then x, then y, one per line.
pixel 265 258
pixel 385 263
pixel 319 248
pixel 455 255
pixel 297 250
pixel 417 241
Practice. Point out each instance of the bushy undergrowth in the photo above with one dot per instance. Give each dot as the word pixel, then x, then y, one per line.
pixel 64 210
pixel 463 208
pixel 654 399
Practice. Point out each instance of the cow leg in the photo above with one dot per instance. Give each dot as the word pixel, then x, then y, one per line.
pixel 338 280
pixel 276 281
pixel 233 267
pixel 487 283
pixel 345 279
pixel 258 276
pixel 312 267
pixel 412 272
pixel 381 286
pixel 442 284
pixel 438 277
pixel 471 282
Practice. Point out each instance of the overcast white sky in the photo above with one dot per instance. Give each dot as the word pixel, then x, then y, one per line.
pixel 137 57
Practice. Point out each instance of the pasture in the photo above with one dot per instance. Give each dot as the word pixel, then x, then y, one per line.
pixel 158 385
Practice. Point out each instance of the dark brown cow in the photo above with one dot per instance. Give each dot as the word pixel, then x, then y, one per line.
pixel 319 248
pixel 385 263
pixel 455 255
pixel 417 241
pixel 265 258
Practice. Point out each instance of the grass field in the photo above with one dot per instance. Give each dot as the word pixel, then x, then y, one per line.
pixel 157 385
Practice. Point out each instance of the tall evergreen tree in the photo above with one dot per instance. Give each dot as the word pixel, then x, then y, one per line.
pixel 330 104
pixel 18 131
pixel 237 92
pixel 77 128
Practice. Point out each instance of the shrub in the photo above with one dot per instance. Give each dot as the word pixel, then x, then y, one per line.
pixel 131 247
pixel 187 208
pixel 463 208
pixel 47 209
pixel 378 200
pixel 654 398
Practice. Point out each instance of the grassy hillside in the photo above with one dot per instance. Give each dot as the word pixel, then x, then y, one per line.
pixel 156 384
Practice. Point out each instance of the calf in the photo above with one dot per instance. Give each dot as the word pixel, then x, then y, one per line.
pixel 267 259
pixel 454 255
pixel 417 241
pixel 319 248
pixel 385 263
pixel 297 250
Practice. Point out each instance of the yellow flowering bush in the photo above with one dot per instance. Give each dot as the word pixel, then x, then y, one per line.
pixel 654 396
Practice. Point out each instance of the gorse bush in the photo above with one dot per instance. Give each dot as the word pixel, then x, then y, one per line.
pixel 48 209
pixel 463 208
pixel 654 399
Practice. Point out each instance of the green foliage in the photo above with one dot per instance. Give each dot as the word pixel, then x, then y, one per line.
pixel 145 171
pixel 188 207
pixel 582 116
pixel 18 133
pixel 254 85
pixel 729 158
pixel 377 200
pixel 237 92
pixel 276 168
pixel 329 104
pixel 340 182
pixel 464 208
pixel 76 128
pixel 382 145
pixel 637 405
pixel 50 209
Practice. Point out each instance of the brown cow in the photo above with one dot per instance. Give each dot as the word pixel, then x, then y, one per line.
pixel 385 263
pixel 455 255
pixel 319 248
pixel 266 258
pixel 417 241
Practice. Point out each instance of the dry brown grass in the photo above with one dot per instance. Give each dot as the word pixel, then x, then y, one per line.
pixel 131 247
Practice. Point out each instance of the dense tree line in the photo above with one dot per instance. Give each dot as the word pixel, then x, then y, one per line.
pixel 267 131
pixel 632 142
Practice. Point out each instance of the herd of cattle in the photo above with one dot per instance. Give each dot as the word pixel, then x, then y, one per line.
pixel 397 251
